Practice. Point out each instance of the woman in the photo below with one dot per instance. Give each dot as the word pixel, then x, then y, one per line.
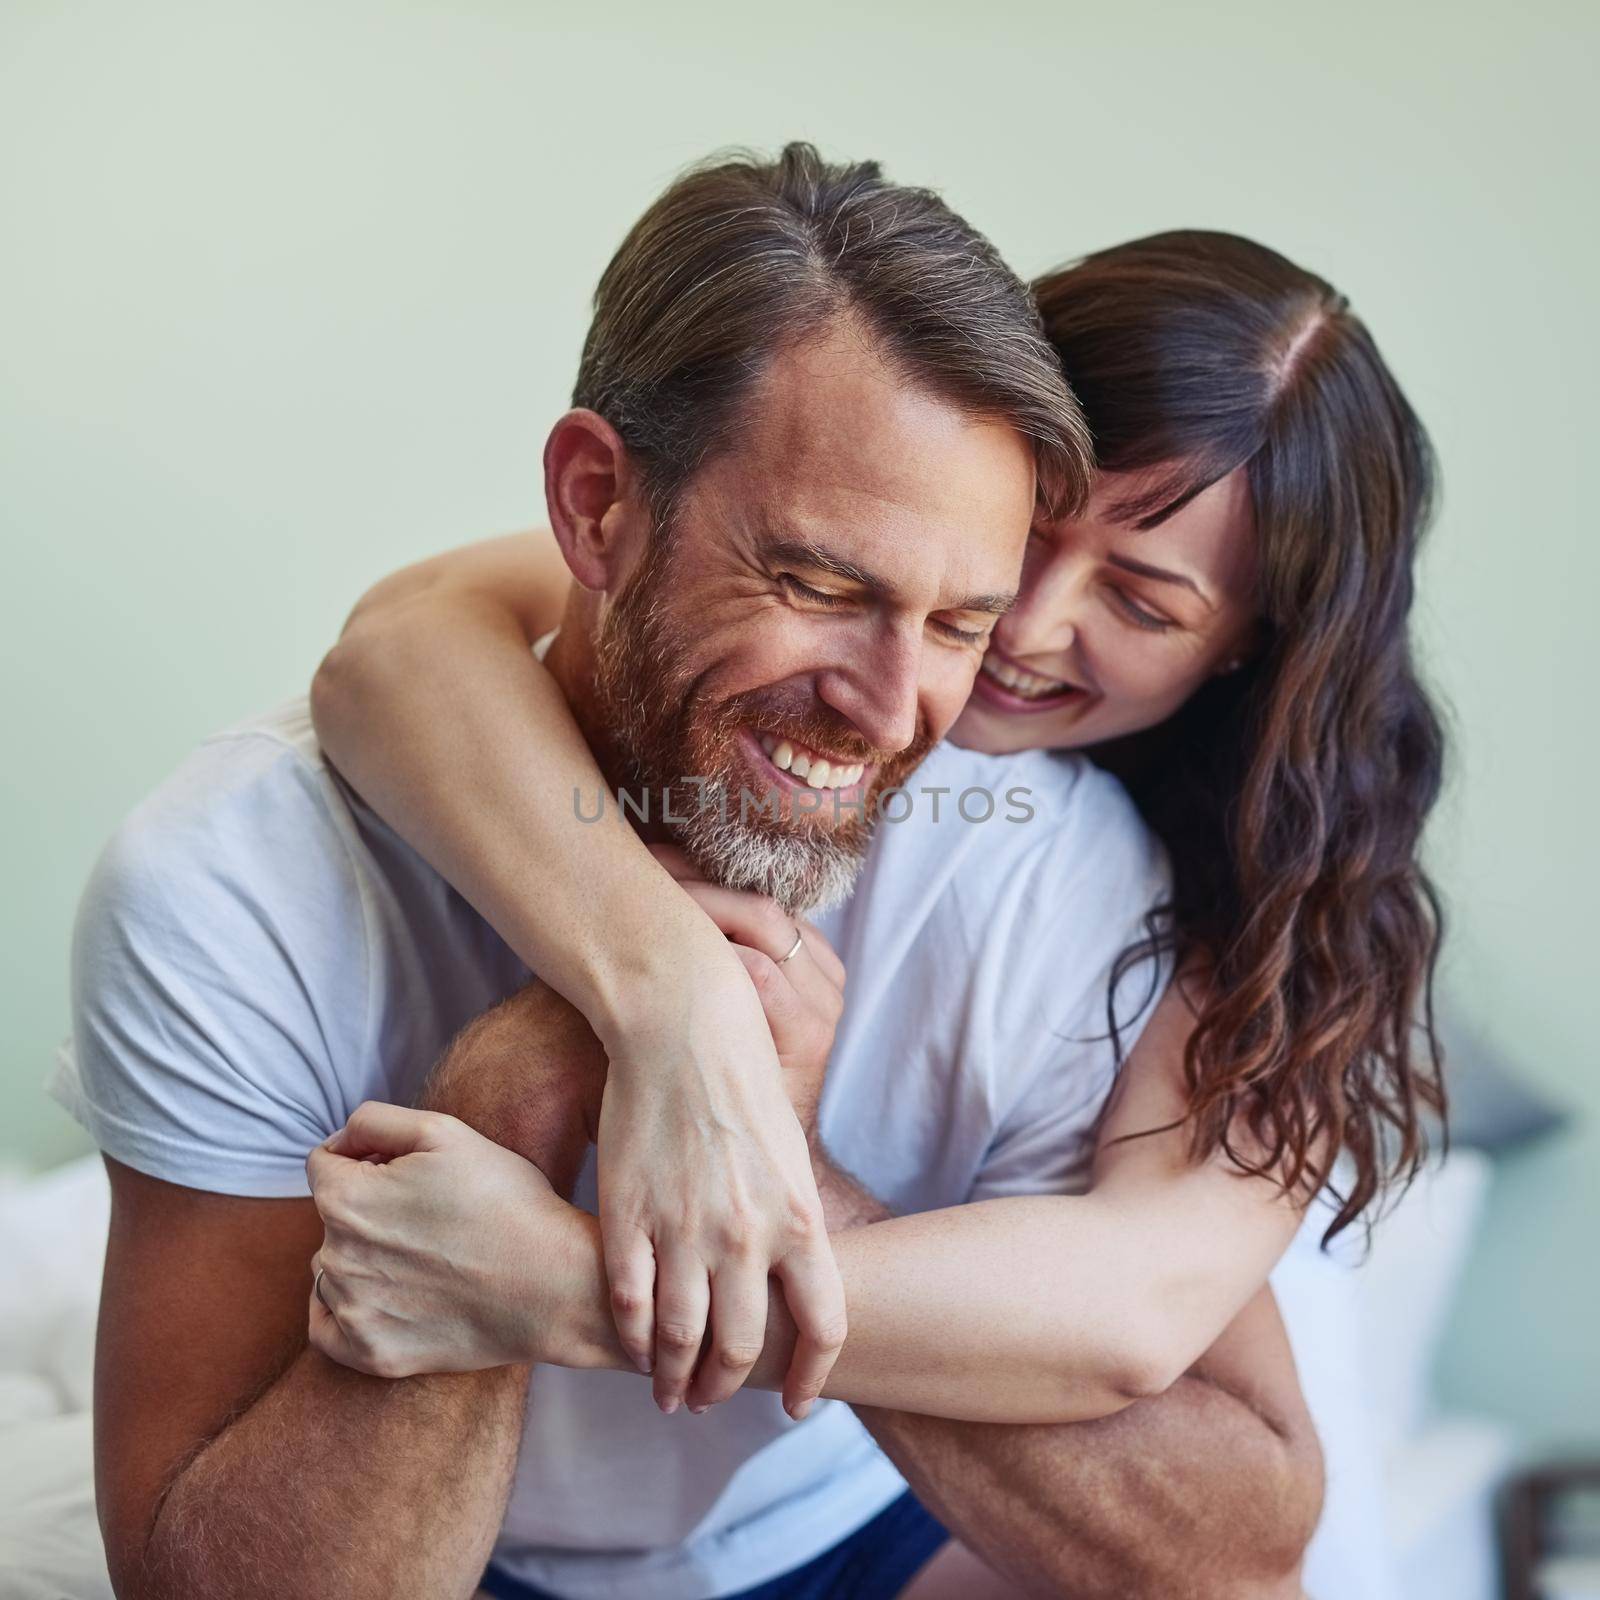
pixel 1224 628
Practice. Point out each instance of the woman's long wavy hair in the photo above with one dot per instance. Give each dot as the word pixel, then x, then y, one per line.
pixel 1292 793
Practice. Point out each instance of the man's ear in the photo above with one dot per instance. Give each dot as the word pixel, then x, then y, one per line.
pixel 590 487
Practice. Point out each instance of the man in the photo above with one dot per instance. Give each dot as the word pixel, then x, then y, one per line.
pixel 789 365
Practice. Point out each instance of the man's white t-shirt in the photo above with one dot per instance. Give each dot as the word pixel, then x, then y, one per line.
pixel 257 953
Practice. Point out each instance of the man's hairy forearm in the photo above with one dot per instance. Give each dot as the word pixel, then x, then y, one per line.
pixel 333 1483
pixel 1209 1490
pixel 1189 1496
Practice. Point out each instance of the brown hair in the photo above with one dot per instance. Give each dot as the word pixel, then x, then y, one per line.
pixel 1291 794
pixel 741 256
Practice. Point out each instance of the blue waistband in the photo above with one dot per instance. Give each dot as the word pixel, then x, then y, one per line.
pixel 876 1562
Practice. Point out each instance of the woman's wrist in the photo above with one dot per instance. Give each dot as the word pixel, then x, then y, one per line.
pixel 637 992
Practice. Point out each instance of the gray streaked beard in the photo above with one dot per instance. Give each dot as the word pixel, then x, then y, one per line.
pixel 648 699
pixel 808 874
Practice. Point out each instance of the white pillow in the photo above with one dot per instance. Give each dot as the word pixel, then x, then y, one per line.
pixel 1365 1330
pixel 52 1249
pixel 50 1546
pixel 1405 1290
pixel 1351 1556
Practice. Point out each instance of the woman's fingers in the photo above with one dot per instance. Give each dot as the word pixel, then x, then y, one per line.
pixel 815 1294
pixel 750 919
pixel 631 1273
pixel 714 1272
pixel 380 1131
pixel 738 1331
pixel 683 1300
pixel 823 953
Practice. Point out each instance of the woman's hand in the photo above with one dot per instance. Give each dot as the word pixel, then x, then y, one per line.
pixel 706 1186
pixel 445 1252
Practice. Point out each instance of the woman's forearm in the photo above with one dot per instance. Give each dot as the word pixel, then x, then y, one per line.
pixel 998 1311
pixel 434 709
pixel 1044 1308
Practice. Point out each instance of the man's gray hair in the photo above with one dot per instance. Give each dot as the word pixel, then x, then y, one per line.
pixel 742 256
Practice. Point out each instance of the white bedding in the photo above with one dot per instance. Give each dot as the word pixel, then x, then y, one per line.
pixel 49 1539
pixel 52 1241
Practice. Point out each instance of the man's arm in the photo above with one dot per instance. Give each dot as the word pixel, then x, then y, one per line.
pixel 233 1460
pixel 1210 1490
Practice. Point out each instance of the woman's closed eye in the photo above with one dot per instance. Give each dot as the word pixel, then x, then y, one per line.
pixel 1141 616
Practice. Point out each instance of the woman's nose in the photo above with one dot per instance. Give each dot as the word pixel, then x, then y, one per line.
pixel 1043 621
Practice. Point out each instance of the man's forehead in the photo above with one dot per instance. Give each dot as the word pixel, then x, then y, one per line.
pixel 841 455
pixel 838 403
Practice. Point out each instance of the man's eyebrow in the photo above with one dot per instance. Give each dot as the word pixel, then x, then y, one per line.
pixel 1161 575
pixel 803 553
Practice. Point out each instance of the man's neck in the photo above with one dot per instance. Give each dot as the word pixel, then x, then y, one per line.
pixel 570 661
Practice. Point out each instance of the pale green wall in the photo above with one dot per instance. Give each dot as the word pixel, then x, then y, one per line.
pixel 290 300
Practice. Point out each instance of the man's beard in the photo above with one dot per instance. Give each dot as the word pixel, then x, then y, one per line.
pixel 652 704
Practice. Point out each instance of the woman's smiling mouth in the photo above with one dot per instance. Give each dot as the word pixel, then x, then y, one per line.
pixel 1003 684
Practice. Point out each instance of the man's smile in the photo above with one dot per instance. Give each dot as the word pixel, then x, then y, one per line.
pixel 793 765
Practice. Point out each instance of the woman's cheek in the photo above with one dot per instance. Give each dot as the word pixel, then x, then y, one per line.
pixel 1141 690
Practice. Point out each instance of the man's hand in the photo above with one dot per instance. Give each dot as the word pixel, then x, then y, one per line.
pixel 445 1252
pixel 706 1187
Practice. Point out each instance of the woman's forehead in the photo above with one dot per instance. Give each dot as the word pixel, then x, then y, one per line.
pixel 1212 538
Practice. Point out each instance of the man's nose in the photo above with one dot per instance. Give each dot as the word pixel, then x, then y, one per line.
pixel 879 692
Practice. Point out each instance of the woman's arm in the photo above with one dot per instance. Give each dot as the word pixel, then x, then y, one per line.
pixel 1036 1308
pixel 433 678
pixel 704 1175
pixel 1033 1309
pixel 1057 1308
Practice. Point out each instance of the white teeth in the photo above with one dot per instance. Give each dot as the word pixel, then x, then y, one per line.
pixel 817 771
pixel 1027 684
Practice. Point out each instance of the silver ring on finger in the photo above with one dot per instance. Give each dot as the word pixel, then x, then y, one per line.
pixel 316 1289
pixel 794 949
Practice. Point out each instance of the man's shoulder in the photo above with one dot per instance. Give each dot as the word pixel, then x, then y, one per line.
pixel 220 966
pixel 1040 896
pixel 270 758
pixel 252 803
pixel 1034 815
